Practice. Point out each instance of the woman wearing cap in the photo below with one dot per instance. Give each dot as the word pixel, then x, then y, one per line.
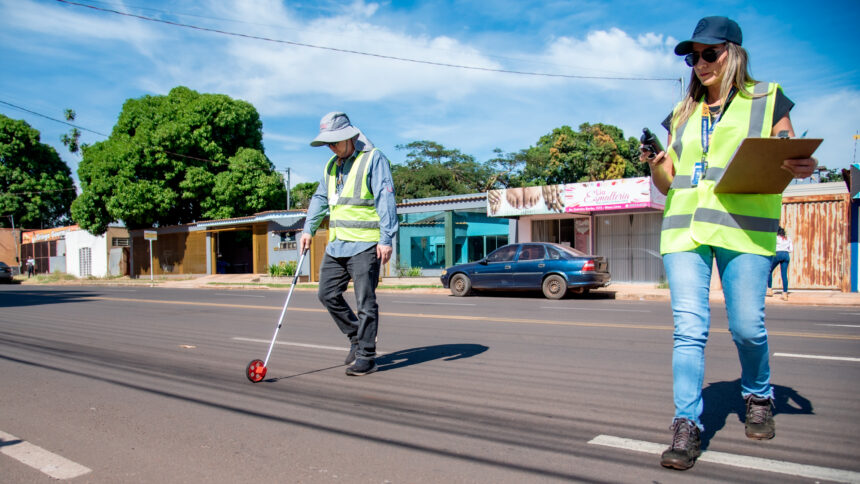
pixel 722 106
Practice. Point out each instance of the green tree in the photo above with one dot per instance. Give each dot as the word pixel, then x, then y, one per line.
pixel 36 186
pixel 177 159
pixel 300 195
pixel 595 152
pixel 431 170
pixel 73 137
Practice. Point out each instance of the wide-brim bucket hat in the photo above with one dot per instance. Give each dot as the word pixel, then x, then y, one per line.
pixel 334 127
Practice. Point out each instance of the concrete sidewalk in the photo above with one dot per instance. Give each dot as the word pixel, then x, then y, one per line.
pixel 431 285
pixel 621 291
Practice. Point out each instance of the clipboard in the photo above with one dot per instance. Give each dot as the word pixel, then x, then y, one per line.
pixel 756 165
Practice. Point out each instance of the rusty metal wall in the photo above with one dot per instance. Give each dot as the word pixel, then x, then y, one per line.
pixel 819 228
pixel 174 253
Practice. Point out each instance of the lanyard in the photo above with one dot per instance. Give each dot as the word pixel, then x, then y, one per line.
pixel 707 126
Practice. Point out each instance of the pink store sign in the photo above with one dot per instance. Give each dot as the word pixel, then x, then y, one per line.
pixel 621 194
pixel 626 193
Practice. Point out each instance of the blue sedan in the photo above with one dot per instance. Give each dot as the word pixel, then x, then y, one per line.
pixel 552 268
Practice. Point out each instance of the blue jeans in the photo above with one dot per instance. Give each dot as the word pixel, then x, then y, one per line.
pixel 743 277
pixel 335 274
pixel 781 259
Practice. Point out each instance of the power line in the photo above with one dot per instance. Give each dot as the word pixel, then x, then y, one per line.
pixel 369 54
pixel 96 132
pixel 52 119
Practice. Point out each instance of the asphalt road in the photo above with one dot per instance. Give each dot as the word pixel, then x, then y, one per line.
pixel 138 384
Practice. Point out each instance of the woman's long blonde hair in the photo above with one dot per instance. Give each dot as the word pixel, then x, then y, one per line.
pixel 737 75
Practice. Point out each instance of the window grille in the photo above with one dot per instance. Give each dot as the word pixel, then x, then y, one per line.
pixel 86 261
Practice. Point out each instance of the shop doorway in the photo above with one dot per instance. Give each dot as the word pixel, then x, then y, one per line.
pixel 234 253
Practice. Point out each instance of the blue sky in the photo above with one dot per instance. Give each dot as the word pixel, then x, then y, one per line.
pixel 55 55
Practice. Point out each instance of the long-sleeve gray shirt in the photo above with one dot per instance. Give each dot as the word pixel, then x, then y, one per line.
pixel 379 183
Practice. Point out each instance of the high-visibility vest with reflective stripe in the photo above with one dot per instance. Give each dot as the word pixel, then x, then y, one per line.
pixel 696 216
pixel 352 214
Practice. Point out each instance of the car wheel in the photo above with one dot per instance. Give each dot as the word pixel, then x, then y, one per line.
pixel 461 285
pixel 554 287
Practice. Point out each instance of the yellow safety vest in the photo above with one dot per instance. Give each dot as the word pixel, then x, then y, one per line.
pixel 697 216
pixel 352 214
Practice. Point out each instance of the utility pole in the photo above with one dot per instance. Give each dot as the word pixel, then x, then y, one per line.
pixel 287 183
pixel 856 137
pixel 17 254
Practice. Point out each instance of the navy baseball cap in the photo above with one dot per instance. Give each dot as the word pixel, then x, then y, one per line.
pixel 712 30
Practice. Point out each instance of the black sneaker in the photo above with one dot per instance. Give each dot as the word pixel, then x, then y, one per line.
pixel 350 357
pixel 362 367
pixel 685 448
pixel 759 422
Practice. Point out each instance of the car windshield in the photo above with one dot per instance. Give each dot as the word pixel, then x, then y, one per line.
pixel 3 264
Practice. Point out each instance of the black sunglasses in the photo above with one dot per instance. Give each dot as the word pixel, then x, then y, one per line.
pixel 710 55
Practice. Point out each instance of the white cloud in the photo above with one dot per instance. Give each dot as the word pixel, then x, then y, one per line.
pixel 280 78
pixel 75 24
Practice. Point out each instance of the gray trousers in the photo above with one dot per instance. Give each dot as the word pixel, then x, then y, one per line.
pixel 363 270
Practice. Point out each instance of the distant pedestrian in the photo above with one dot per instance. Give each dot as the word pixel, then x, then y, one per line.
pixel 722 106
pixel 781 259
pixel 31 267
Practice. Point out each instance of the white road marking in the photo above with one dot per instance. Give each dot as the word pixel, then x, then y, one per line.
pixel 238 295
pixel 300 345
pixel 818 357
pixel 734 460
pixel 574 308
pixel 40 459
pixel 840 325
pixel 422 303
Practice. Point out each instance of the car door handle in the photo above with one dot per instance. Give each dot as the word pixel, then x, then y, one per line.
pixel 507 267
pixel 541 265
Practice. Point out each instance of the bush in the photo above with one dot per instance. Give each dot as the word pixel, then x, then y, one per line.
pixel 283 269
pixel 408 271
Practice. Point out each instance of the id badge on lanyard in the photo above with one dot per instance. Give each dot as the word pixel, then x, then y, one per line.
pixel 707 130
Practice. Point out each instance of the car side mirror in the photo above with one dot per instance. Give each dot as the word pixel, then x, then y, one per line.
pixel 483 262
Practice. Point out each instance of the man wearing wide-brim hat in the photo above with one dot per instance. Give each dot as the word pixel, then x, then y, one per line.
pixel 357 193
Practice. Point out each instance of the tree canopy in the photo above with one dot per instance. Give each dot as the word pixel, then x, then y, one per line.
pixel 300 195
pixel 595 152
pixel 177 159
pixel 36 186
pixel 431 170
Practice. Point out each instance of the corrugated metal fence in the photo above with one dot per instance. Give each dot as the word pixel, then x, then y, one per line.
pixel 819 228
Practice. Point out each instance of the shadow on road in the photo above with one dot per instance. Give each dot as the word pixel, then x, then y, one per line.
pixel 593 295
pixel 724 398
pixel 37 298
pixel 414 356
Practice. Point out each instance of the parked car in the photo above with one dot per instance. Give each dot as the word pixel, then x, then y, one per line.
pixel 552 268
pixel 5 273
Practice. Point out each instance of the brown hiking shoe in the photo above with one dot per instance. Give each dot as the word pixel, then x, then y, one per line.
pixel 759 422
pixel 685 448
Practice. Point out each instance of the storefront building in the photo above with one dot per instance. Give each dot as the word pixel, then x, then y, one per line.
pixel 439 232
pixel 75 251
pixel 241 245
pixel 617 219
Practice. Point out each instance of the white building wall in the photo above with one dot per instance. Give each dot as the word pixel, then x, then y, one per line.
pixel 98 248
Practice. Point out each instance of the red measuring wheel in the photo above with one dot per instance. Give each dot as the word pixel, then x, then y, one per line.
pixel 256 371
